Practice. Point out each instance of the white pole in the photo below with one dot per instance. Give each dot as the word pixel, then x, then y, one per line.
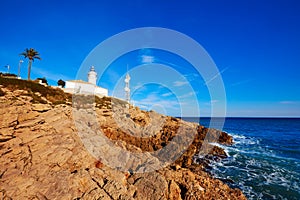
pixel 19 70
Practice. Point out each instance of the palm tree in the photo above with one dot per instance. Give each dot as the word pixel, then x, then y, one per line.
pixel 31 54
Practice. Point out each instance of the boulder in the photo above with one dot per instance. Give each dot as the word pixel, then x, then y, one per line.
pixel 41 107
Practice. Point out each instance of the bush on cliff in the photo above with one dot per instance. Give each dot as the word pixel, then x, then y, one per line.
pixel 8 75
pixel 44 80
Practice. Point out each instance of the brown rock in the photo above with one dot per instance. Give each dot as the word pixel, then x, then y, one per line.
pixel 174 191
pixel 41 107
pixel 42 156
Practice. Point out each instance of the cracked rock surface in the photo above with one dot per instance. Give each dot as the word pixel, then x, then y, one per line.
pixel 43 157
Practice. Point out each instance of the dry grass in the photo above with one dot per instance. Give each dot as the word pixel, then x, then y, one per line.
pixel 54 95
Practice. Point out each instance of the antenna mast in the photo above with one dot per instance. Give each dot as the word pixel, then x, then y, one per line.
pixel 127 88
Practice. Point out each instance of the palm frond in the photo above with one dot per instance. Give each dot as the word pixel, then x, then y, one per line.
pixel 31 54
pixel 37 57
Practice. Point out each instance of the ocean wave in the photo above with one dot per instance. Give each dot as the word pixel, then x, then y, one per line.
pixel 257 169
pixel 264 160
pixel 253 179
pixel 243 140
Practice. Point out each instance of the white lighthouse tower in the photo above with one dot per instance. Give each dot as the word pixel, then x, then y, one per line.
pixel 92 76
pixel 127 88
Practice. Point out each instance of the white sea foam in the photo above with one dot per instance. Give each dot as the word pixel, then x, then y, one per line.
pixel 255 164
pixel 241 139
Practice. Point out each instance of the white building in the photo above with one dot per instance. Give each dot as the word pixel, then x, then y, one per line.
pixel 82 87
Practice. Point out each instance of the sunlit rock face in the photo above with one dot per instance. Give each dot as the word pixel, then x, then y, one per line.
pixel 44 157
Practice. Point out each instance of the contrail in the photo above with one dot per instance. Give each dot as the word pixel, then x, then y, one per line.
pixel 169 63
pixel 205 83
pixel 218 74
pixel 241 82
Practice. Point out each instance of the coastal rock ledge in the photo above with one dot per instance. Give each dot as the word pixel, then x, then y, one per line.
pixel 43 157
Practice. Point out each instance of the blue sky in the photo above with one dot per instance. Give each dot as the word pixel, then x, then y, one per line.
pixel 255 45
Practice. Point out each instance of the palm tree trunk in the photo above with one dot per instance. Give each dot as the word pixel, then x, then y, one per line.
pixel 29 68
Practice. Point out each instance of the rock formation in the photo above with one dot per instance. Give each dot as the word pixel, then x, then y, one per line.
pixel 43 156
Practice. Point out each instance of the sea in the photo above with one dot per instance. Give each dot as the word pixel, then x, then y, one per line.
pixel 264 161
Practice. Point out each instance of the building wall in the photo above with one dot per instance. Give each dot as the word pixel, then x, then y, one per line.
pixel 101 91
pixel 84 88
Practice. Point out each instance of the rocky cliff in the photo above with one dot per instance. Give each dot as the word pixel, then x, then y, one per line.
pixel 44 154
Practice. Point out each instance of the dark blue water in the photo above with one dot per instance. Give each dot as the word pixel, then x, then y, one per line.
pixel 265 160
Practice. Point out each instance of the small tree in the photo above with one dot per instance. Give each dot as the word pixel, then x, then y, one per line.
pixel 61 83
pixel 44 80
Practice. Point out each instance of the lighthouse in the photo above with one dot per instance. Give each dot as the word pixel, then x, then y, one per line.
pixel 92 76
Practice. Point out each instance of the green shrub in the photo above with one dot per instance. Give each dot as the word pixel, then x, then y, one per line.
pixel 61 83
pixel 44 80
